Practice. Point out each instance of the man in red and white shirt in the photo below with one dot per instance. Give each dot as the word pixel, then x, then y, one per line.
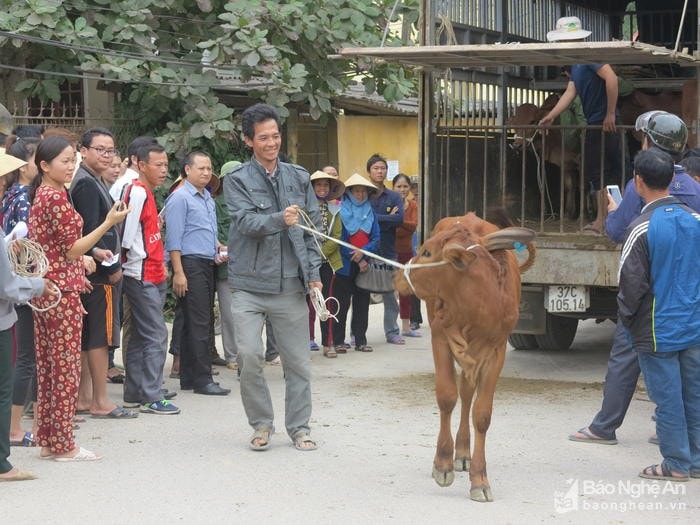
pixel 143 263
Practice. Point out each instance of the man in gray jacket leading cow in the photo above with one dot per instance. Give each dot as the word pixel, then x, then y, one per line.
pixel 272 265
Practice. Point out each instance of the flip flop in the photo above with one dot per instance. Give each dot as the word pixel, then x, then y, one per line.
pixel 300 439
pixel 262 434
pixel 589 228
pixel 117 379
pixel 82 455
pixel 590 438
pixel 650 472
pixel 18 476
pixel 117 413
pixel 26 441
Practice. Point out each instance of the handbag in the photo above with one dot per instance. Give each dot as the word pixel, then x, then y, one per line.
pixel 379 278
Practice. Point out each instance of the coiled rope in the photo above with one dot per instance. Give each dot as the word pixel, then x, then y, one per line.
pixel 28 260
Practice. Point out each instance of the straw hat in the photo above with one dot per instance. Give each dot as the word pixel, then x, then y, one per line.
pixel 358 180
pixel 337 186
pixel 8 164
pixel 567 28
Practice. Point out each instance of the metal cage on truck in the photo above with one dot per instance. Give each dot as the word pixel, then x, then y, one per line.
pixel 479 60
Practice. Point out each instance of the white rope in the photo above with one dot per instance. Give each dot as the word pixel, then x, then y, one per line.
pixel 405 267
pixel 321 305
pixel 28 260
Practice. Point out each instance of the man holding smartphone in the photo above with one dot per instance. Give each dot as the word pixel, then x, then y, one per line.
pixel 668 133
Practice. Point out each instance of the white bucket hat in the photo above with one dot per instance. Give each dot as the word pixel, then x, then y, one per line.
pixel 567 28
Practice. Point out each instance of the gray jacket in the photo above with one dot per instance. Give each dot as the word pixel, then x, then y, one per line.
pixel 14 289
pixel 257 222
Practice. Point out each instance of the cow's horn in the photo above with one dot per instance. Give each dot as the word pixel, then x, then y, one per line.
pixel 508 238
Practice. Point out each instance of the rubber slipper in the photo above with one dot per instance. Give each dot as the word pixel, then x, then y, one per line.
pixel 18 476
pixel 651 472
pixel 117 413
pixel 117 380
pixel 26 441
pixel 395 340
pixel 303 438
pixel 262 434
pixel 412 333
pixel 590 438
pixel 82 455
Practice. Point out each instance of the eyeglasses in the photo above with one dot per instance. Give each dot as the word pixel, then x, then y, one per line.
pixel 105 152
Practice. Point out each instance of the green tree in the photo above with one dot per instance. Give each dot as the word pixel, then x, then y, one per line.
pixel 168 56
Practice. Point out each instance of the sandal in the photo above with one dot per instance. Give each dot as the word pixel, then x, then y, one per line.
pixel 342 348
pixel 301 439
pixel 364 348
pixel 27 440
pixel 82 455
pixel 395 340
pixel 329 351
pixel 652 472
pixel 263 435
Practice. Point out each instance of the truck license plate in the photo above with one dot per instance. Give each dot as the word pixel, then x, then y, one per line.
pixel 567 298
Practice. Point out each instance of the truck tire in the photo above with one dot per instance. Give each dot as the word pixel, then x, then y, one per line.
pixel 560 333
pixel 522 341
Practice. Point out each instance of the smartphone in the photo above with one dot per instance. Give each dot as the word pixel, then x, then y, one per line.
pixel 614 191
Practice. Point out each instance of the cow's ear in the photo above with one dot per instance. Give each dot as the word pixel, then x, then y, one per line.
pixel 458 256
pixel 508 238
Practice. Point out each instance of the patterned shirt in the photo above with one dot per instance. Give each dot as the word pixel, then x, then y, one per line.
pixel 55 225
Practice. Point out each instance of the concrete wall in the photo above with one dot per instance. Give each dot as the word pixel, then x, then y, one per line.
pixel 395 138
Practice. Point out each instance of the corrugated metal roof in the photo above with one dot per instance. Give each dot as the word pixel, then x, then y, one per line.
pixel 517 54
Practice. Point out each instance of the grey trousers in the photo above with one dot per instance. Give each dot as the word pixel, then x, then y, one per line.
pixel 289 316
pixel 223 291
pixel 620 384
pixel 148 344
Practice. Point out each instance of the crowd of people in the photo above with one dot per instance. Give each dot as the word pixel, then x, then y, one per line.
pixel 111 250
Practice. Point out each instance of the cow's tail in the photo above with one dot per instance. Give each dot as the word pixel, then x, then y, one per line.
pixel 531 251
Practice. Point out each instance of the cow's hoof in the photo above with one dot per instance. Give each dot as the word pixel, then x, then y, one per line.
pixel 443 478
pixel 481 493
pixel 462 464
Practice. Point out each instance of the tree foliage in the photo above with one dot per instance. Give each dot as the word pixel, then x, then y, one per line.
pixel 172 57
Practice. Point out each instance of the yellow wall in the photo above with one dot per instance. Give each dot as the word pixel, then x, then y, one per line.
pixel 394 138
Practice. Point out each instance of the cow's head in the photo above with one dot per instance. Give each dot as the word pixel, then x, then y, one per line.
pixel 525 115
pixel 458 247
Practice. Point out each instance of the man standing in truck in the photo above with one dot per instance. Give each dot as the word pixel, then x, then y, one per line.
pixel 596 86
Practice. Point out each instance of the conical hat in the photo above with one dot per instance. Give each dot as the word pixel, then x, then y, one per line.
pixel 337 186
pixel 8 164
pixel 358 180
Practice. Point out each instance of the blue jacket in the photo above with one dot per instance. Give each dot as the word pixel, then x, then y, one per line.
pixel 683 186
pixel 388 222
pixel 371 246
pixel 659 296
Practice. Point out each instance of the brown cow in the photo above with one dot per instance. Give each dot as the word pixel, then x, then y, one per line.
pixel 547 145
pixel 473 302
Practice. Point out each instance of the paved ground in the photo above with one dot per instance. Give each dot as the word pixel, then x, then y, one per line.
pixel 376 423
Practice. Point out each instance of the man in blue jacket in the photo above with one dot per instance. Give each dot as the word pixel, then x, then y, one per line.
pixel 659 306
pixel 388 209
pixel 667 132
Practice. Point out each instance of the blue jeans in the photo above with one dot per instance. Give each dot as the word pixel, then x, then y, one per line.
pixel 673 383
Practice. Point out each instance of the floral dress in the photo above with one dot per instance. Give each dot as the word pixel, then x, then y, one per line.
pixel 55 225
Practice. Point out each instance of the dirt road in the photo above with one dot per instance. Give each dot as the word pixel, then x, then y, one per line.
pixel 376 423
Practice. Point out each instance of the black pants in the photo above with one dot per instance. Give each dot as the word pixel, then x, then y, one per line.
pixel 345 290
pixel 24 384
pixel 334 285
pixel 195 306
